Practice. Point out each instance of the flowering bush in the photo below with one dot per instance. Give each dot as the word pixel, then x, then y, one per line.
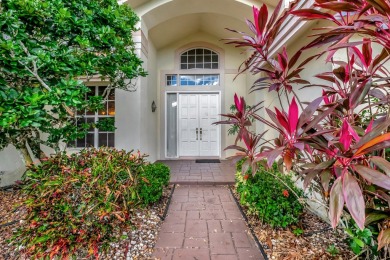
pixel 337 141
pixel 76 202
pixel 267 197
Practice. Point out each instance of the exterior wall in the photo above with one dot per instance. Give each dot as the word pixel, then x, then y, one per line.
pixel 136 123
pixel 149 119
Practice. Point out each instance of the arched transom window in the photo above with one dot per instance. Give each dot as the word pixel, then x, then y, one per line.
pixel 199 58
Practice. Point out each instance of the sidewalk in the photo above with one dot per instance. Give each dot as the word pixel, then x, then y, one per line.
pixel 204 222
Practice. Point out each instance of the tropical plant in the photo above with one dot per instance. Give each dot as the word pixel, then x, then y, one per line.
pixel 48 50
pixel 76 204
pixel 153 179
pixel 338 141
pixel 267 197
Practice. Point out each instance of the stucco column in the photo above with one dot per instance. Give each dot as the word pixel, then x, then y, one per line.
pixel 128 110
pixel 136 122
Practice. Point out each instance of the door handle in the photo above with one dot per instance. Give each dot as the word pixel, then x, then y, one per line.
pixel 196 133
pixel 200 133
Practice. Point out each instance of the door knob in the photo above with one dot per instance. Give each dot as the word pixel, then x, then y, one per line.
pixel 200 133
pixel 196 133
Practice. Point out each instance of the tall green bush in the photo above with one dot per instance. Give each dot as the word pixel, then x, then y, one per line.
pixel 76 203
pixel 152 181
pixel 46 47
pixel 268 197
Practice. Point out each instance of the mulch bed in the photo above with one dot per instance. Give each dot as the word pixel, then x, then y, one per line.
pixel 283 244
pixel 136 243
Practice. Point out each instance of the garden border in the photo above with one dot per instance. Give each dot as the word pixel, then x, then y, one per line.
pixel 249 225
pixel 8 187
pixel 168 203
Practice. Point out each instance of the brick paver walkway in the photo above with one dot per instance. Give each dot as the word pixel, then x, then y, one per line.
pixel 190 172
pixel 203 222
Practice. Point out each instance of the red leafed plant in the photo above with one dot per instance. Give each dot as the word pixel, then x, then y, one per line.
pixel 339 139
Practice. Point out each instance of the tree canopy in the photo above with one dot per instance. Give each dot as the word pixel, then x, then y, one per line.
pixel 46 48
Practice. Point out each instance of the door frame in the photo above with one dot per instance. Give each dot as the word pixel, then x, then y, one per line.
pixel 177 125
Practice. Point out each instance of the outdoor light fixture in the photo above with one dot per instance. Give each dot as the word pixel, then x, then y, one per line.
pixel 154 107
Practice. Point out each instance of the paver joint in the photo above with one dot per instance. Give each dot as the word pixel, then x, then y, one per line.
pixel 203 223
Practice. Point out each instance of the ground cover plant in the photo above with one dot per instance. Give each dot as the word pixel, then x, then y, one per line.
pixel 48 51
pixel 76 203
pixel 267 197
pixel 337 142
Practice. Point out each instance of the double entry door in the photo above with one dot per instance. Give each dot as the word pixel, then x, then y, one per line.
pixel 197 134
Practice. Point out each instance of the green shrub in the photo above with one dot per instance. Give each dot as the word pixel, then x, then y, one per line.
pixel 153 179
pixel 268 198
pixel 76 203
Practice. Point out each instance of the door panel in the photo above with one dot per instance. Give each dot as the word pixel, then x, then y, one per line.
pixel 188 122
pixel 209 140
pixel 198 136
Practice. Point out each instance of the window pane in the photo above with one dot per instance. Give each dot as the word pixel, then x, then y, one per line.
pixel 90 121
pixel 171 80
pixel 101 90
pixel 111 108
pixel 80 143
pixel 172 125
pixel 199 80
pixel 111 140
pixel 103 111
pixel 112 95
pixel 90 140
pixel 102 139
pixel 191 59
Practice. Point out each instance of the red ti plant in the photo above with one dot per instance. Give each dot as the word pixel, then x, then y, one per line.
pixel 339 140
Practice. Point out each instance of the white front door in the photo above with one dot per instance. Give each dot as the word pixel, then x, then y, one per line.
pixel 197 134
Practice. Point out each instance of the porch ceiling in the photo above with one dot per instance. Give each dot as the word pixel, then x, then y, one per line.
pixel 180 27
pixel 138 3
pixel 167 21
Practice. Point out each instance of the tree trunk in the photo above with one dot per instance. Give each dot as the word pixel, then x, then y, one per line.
pixel 26 156
pixel 36 149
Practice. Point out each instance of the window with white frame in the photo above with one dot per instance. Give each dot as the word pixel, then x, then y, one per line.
pixel 104 119
pixel 201 59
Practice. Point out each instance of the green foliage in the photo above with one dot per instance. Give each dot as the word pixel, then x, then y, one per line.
pixel 233 130
pixel 297 231
pixel 362 239
pixel 152 180
pixel 332 250
pixel 106 124
pixel 46 47
pixel 76 202
pixel 268 198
